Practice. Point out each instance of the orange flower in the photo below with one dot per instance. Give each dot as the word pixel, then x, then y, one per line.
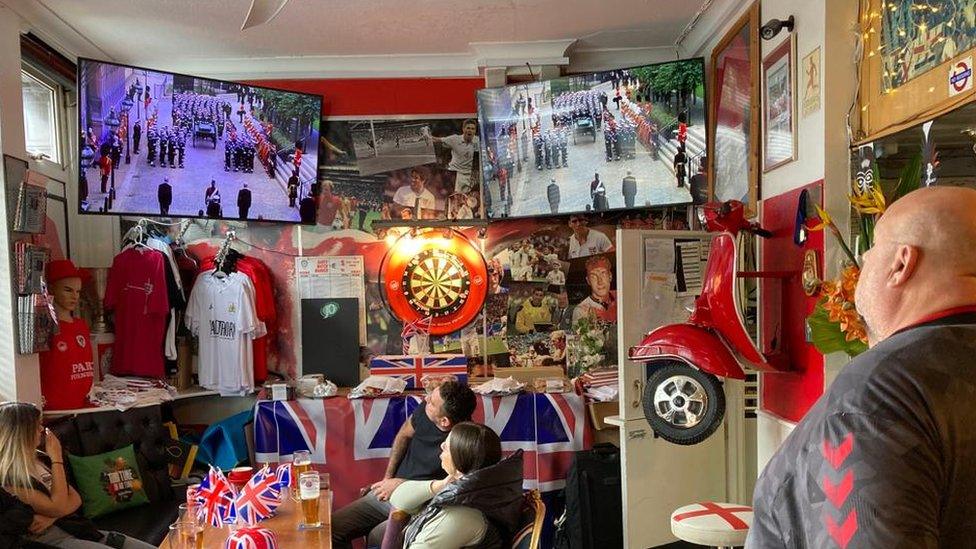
pixel 824 217
pixel 839 304
pixel 849 278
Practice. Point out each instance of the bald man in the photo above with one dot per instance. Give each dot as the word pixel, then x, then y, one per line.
pixel 887 456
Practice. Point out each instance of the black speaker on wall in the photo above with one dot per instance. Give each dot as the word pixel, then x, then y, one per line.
pixel 330 339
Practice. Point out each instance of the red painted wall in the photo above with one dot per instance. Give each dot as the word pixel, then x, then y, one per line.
pixel 789 395
pixel 374 97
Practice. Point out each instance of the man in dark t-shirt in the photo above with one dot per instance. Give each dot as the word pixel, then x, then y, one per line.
pixel 886 456
pixel 415 456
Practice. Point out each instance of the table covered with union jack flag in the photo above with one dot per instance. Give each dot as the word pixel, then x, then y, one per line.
pixel 351 439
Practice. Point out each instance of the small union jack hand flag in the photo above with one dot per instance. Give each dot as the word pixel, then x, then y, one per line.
pixel 284 476
pixel 259 497
pixel 216 498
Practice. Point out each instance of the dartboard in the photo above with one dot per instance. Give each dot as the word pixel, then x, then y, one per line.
pixel 435 282
pixel 431 275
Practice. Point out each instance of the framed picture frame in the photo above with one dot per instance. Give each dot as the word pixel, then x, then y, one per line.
pixel 733 137
pixel 779 105
pixel 910 73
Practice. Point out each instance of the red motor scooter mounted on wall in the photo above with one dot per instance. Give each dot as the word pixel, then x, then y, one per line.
pixel 683 397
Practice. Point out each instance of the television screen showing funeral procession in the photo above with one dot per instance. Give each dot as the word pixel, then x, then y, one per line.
pixel 160 144
pixel 620 139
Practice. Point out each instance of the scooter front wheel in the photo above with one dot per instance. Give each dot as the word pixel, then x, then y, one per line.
pixel 683 404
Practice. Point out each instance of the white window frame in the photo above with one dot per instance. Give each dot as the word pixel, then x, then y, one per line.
pixel 60 126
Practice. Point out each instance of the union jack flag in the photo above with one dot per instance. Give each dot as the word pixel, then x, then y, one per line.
pixel 252 538
pixel 259 497
pixel 549 428
pixel 412 369
pixel 216 498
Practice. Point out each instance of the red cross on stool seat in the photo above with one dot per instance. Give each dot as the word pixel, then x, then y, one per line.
pixel 712 523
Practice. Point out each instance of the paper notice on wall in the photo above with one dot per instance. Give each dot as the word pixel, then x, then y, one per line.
pixel 333 277
pixel 658 255
pixel 657 290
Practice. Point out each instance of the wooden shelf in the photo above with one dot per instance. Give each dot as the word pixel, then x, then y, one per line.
pixel 192 392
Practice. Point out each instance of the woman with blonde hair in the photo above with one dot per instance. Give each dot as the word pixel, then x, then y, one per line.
pixel 38 479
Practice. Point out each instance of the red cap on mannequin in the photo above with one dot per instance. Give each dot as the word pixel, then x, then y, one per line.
pixel 63 268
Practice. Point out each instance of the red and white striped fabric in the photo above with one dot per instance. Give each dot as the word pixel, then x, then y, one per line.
pixel 600 377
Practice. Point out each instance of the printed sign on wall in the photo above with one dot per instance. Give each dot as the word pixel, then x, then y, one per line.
pixel 961 76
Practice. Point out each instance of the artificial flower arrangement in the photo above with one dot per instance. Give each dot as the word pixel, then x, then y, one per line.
pixel 588 347
pixel 835 324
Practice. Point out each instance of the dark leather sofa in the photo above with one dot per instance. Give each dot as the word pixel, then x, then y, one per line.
pixel 98 432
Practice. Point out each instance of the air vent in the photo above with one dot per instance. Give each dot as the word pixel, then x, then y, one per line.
pixel 751 395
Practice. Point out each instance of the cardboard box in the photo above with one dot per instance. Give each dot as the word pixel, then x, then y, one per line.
pixel 599 411
pixel 526 375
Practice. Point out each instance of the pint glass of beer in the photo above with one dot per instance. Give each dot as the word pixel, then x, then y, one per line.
pixel 191 513
pixel 308 492
pixel 301 462
pixel 185 535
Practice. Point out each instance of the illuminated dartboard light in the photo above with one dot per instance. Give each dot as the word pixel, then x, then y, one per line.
pixel 434 276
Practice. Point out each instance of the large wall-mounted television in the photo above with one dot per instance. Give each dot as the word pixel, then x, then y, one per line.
pixel 161 144
pixel 612 140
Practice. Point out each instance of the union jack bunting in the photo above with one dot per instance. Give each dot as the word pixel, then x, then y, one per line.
pixel 412 369
pixel 419 326
pixel 259 497
pixel 216 498
pixel 252 538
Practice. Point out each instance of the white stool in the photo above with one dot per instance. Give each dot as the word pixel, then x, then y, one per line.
pixel 711 523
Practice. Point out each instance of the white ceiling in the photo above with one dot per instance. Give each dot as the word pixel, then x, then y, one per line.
pixel 348 38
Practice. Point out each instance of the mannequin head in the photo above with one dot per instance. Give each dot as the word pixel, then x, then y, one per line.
pixel 64 284
pixel 67 294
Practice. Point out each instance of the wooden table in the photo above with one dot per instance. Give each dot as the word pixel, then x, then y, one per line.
pixel 285 525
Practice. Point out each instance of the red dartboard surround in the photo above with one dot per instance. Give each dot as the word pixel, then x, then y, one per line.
pixel 445 278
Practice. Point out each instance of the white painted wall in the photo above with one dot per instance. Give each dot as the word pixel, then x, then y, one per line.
pixel 822 151
pixel 839 88
pixel 809 163
pixel 771 431
pixel 18 375
pixel 93 239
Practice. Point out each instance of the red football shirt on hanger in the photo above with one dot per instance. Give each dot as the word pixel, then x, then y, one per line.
pixel 136 291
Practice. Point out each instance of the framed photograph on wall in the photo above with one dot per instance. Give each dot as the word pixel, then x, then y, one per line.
pixel 779 100
pixel 916 64
pixel 734 114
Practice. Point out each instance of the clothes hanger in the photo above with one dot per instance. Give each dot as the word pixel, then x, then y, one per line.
pixel 221 259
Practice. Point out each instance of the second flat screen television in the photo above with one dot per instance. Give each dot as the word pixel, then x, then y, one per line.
pixel 612 140
pixel 156 143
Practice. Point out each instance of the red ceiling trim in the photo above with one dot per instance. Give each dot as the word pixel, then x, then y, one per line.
pixel 388 96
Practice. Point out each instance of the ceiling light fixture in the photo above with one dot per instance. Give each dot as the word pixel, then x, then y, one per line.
pixel 261 12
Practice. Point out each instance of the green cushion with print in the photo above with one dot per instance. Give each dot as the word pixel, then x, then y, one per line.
pixel 108 482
